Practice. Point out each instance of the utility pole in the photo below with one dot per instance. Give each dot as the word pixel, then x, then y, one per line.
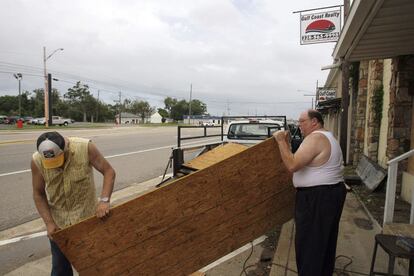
pixel 50 103
pixel 120 107
pixel 310 95
pixel 46 90
pixel 45 58
pixel 97 109
pixel 19 76
pixel 228 108
pixel 189 112
pixel 316 95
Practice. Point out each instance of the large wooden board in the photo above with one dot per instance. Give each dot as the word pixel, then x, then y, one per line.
pixel 188 223
pixel 214 156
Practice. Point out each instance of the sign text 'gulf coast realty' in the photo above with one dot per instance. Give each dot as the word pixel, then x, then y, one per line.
pixel 320 27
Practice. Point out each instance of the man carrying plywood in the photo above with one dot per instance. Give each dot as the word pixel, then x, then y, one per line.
pixel 320 193
pixel 63 186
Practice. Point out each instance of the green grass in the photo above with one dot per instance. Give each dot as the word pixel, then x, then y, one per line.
pixel 81 125
pixel 41 127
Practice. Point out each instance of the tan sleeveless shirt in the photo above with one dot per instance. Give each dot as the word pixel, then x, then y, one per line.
pixel 70 190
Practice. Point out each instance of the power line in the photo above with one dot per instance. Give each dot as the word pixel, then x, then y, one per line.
pixel 26 74
pixel 14 66
pixel 125 88
pixel 248 102
pixel 117 86
pixel 21 65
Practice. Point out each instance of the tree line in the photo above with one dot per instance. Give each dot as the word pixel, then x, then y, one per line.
pixel 79 104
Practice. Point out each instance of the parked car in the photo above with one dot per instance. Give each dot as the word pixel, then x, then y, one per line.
pixel 2 119
pixel 207 123
pixel 56 120
pixel 35 121
pixel 11 120
pixel 27 119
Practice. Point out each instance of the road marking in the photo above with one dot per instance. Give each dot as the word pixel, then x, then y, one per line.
pixel 23 238
pixel 136 152
pixel 117 155
pixel 7 142
pixel 16 172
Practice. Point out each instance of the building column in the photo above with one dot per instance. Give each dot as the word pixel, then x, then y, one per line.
pixel 400 114
pixel 361 103
pixel 374 108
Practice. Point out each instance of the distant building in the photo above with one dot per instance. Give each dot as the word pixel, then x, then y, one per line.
pixel 155 118
pixel 127 118
pixel 202 120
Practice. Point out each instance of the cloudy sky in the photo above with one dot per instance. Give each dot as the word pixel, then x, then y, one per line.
pixel 241 56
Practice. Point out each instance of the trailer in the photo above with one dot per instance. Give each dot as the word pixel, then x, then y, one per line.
pixel 243 130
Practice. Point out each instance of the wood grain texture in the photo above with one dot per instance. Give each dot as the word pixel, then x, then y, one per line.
pixel 189 223
pixel 214 156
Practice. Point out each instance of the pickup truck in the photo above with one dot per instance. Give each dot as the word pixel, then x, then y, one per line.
pixel 56 120
pixel 252 131
pixel 246 130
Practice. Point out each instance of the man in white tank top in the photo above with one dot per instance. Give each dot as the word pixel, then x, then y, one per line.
pixel 318 177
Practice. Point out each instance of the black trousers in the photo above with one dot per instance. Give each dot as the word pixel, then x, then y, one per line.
pixel 60 265
pixel 317 214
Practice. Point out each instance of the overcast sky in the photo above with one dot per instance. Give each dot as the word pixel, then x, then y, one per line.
pixel 241 57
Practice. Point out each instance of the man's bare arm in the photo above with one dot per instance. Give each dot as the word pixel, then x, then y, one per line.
pixel 303 156
pixel 40 199
pixel 102 165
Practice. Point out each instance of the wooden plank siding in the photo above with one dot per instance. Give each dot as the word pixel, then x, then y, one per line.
pixel 189 223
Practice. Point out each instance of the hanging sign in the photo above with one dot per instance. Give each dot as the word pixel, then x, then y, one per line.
pixel 320 27
pixel 325 94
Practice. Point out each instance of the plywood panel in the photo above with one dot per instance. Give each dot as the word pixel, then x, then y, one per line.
pixel 188 223
pixel 215 155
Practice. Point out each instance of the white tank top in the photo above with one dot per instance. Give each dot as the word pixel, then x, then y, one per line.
pixel 331 172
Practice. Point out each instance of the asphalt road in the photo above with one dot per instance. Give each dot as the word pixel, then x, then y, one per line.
pixel 136 153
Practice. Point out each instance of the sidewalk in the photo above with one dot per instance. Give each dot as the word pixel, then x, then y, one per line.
pixel 355 244
pixel 354 253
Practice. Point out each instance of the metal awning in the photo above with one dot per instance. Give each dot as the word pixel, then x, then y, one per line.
pixel 377 29
pixel 333 104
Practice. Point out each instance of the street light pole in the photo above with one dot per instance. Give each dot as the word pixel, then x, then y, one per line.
pixel 46 90
pixel 310 95
pixel 19 76
pixel 45 58
pixel 189 112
